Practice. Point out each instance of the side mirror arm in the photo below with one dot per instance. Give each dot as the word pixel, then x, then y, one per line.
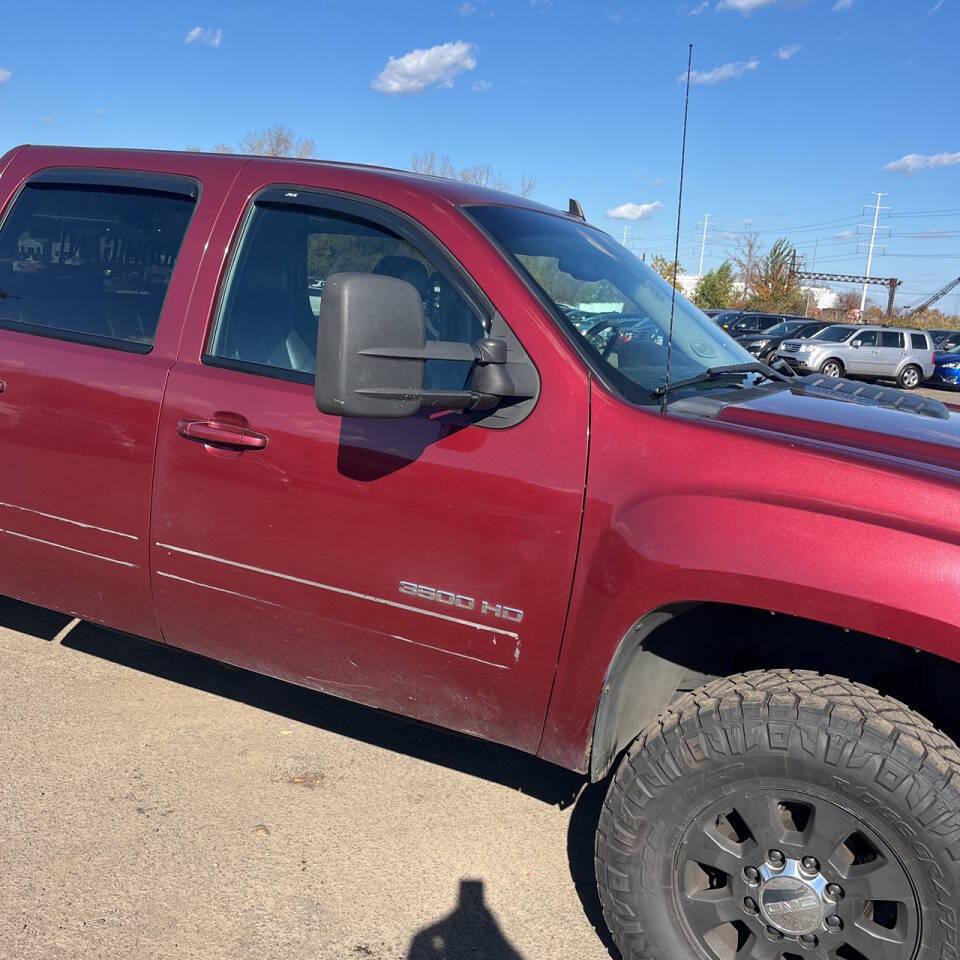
pixel 481 351
pixel 492 380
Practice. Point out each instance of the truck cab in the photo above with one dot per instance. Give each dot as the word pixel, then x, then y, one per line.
pixel 410 442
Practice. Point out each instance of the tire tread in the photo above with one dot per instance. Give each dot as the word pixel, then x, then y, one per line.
pixel 841 722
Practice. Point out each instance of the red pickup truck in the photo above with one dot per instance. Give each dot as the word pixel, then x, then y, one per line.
pixel 409 442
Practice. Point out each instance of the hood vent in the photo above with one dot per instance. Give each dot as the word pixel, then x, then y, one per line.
pixel 872 396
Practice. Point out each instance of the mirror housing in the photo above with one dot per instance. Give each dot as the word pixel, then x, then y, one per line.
pixel 372 347
pixel 359 311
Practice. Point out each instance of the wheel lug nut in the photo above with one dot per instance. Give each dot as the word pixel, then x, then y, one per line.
pixel 751 874
pixel 808 940
pixel 776 858
pixel 834 924
pixel 810 864
pixel 750 905
pixel 773 933
pixel 834 891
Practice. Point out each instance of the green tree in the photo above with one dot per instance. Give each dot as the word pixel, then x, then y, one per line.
pixel 715 289
pixel 665 268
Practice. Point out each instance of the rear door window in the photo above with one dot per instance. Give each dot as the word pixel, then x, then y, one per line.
pixel 919 341
pixel 891 338
pixel 90 263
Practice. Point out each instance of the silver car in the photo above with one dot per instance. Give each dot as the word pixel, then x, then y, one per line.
pixel 872 353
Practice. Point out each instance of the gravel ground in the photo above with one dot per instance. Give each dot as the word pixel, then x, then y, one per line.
pixel 156 804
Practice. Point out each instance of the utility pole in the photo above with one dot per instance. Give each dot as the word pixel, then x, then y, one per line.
pixel 813 267
pixel 703 245
pixel 873 237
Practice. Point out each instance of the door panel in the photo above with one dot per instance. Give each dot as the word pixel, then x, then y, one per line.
pixel 289 560
pixel 77 429
pixel 91 309
pixel 862 360
pixel 303 558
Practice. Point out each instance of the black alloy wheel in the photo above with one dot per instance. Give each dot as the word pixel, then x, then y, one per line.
pixel 780 815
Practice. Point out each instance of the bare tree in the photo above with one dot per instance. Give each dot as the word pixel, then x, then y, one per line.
pixel 433 166
pixel 480 174
pixel 275 141
pixel 483 175
pixel 746 257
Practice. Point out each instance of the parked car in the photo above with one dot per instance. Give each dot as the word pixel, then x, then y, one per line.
pixel 744 323
pixel 438 498
pixel 871 353
pixel 947 343
pixel 724 316
pixel 765 345
pixel 946 369
pixel 936 335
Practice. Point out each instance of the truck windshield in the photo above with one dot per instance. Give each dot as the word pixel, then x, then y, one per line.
pixel 614 301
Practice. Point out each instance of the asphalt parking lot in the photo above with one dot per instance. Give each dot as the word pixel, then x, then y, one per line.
pixel 157 804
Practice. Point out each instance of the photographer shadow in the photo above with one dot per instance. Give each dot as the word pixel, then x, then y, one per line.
pixel 469 932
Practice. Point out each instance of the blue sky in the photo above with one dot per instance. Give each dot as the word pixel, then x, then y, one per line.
pixel 801 108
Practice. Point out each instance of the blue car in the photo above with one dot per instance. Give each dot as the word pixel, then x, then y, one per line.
pixel 946 370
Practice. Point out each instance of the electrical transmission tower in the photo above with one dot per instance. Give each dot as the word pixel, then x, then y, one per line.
pixel 703 244
pixel 873 237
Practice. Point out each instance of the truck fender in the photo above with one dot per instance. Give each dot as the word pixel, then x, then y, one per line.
pixel 638 683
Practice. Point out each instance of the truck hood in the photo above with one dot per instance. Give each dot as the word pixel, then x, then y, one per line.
pixel 921 432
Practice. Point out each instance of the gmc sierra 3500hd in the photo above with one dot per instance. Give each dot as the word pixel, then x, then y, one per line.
pixel 406 441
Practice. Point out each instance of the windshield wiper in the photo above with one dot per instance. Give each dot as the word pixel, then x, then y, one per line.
pixel 720 373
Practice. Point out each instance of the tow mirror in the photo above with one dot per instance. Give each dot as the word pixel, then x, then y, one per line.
pixel 372 347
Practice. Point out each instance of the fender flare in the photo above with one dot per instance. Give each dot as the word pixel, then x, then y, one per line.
pixel 637 685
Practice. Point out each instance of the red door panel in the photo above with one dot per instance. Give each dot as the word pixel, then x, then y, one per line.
pixel 289 559
pixel 77 431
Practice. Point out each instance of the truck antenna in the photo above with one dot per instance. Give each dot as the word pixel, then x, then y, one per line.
pixel 676 246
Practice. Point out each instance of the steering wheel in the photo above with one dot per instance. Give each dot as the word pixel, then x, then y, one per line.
pixel 603 337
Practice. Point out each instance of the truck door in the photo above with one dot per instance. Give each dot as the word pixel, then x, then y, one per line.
pixel 86 261
pixel 421 565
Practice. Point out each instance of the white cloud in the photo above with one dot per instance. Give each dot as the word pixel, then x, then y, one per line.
pixel 698 9
pixel 468 9
pixel 913 162
pixel 481 86
pixel 541 5
pixel 845 234
pixel 841 5
pixel 48 119
pixel 419 69
pixel 208 35
pixel 658 181
pixel 746 7
pixel 634 211
pixel 5 75
pixel 933 9
pixel 729 71
pixel 788 51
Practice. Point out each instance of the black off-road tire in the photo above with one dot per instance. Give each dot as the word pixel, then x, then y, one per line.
pixel 845 745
